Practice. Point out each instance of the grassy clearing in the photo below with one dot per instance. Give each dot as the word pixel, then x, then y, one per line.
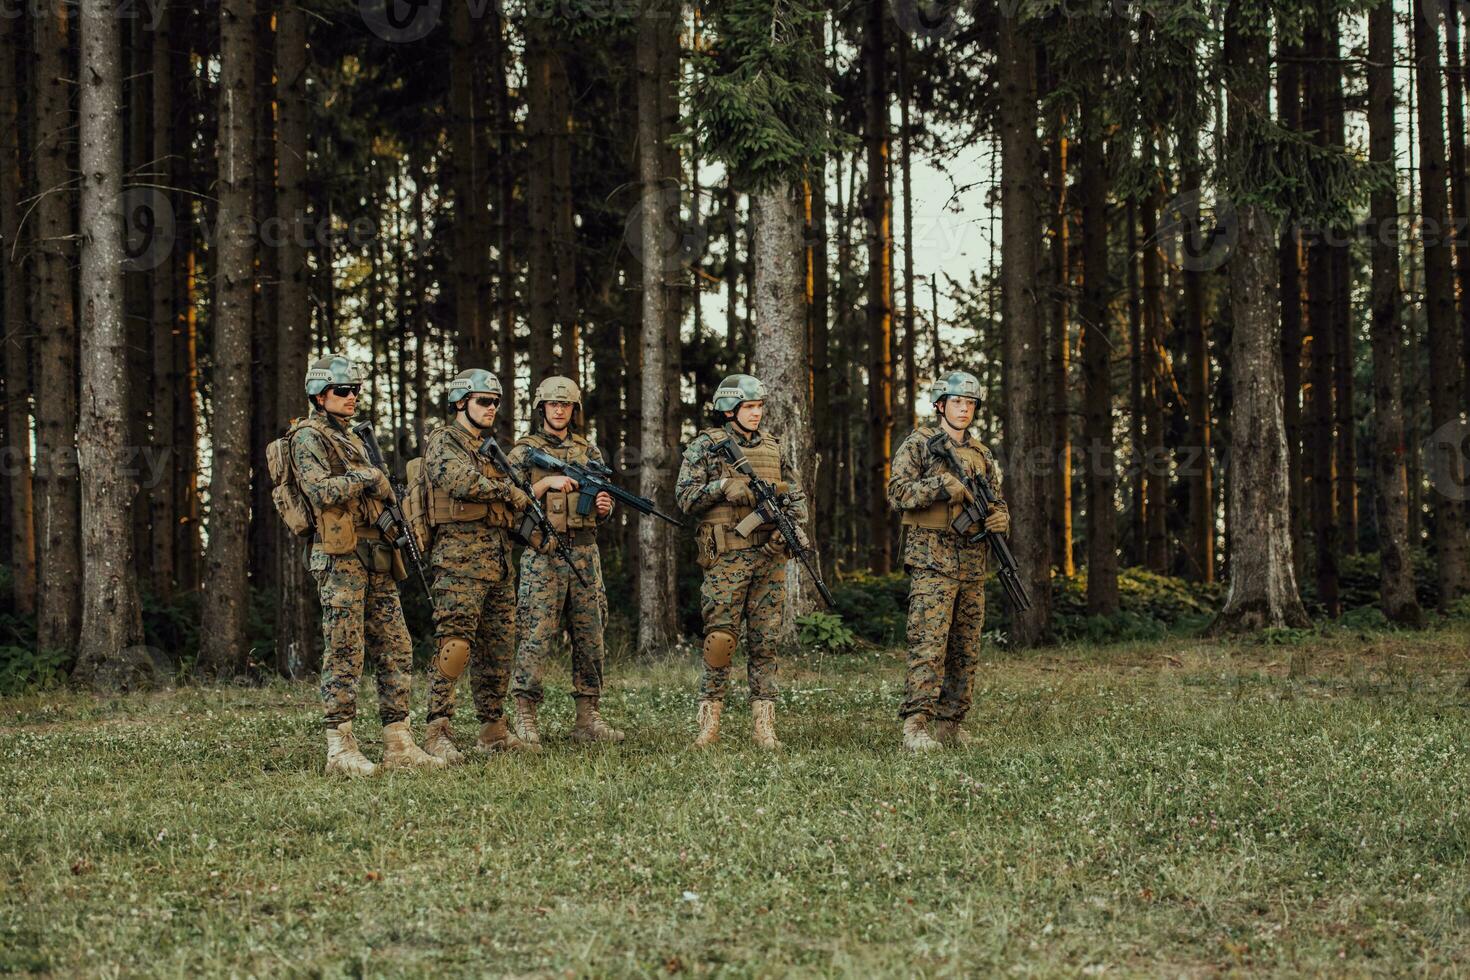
pixel 1181 808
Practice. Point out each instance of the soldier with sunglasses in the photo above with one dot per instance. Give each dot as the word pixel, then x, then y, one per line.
pixel 472 507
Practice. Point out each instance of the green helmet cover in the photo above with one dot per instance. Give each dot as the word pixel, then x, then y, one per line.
pixel 958 383
pixel 475 381
pixel 735 389
pixel 332 369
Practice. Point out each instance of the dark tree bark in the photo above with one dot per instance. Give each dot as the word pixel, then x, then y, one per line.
pixel 1138 523
pixel 470 237
pixel 1292 259
pixel 1200 477
pixel 165 313
pixel 1156 473
pixel 226 599
pixel 57 502
pixel 541 304
pixel 111 617
pixel 505 182
pixel 879 215
pixel 1263 590
pixel 1061 354
pixel 906 138
pixel 1459 174
pixel 1396 573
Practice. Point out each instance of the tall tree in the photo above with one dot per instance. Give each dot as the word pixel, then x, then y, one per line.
pixel 470 253
pixel 1061 346
pixel 58 502
pixel 165 311
pixel 1396 571
pixel 541 103
pixel 1200 478
pixel 226 597
pixel 111 617
pixel 1459 172
pixel 879 214
pixel 1263 591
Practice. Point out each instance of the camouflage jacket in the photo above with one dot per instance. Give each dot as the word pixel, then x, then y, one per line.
pixel 701 475
pixel 916 483
pixel 472 549
pixel 325 453
pixel 520 453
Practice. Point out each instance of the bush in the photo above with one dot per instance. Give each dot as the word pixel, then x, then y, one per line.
pixel 875 607
pixel 825 633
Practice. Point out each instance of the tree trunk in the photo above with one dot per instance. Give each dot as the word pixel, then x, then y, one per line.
pixel 910 388
pixel 111 618
pixel 1459 175
pixel 227 597
pixel 470 215
pixel 1138 524
pixel 17 347
pixel 264 535
pixel 1263 590
pixel 1200 477
pixel 1443 460
pixel 296 645
pixel 880 290
pixel 564 238
pixel 1061 353
pixel 165 313
pixel 1292 259
pixel 780 355
pixel 1396 572
pixel 541 219
pixel 1024 348
pixel 504 221
pixel 1156 471
pixel 657 625
pixel 58 501
pixel 1095 319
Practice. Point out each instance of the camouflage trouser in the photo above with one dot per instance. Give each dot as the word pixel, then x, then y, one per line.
pixel 549 600
pixel 748 586
pixel 484 613
pixel 946 618
pixel 361 609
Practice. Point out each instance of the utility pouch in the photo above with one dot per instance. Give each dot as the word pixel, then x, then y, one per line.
pixel 376 556
pixel 337 534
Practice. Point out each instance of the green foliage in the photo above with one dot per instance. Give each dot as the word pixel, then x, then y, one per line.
pixel 24 669
pixel 875 607
pixel 824 632
pixel 760 101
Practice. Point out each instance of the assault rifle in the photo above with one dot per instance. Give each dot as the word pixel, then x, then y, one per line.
pixel 535 518
pixel 970 525
pixel 593 478
pixel 391 522
pixel 770 508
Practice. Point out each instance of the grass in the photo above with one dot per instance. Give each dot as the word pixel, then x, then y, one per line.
pixel 1184 808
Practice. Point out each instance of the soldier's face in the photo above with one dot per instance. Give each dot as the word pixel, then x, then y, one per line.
pixel 959 412
pixel 343 406
pixel 558 414
pixel 482 408
pixel 749 414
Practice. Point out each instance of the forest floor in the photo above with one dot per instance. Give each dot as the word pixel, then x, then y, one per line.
pixel 1182 808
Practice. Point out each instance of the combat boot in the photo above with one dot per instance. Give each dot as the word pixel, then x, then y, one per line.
pixel 439 743
pixel 916 734
pixel 526 726
pixel 952 733
pixel 400 752
pixel 344 756
pixel 590 727
pixel 764 729
pixel 496 736
pixel 709 723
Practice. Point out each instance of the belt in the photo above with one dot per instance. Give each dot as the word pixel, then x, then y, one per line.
pixel 364 532
pixel 579 538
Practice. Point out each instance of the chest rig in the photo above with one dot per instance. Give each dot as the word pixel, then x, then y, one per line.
pixel 561 505
pixel 940 515
pixel 444 509
pixel 721 519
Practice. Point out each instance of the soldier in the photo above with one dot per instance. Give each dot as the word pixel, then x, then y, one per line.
pixel 472 506
pixel 354 570
pixel 744 578
pixel 947 587
pixel 548 589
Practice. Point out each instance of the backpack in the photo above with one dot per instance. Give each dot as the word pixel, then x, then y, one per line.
pixel 286 493
pixel 415 504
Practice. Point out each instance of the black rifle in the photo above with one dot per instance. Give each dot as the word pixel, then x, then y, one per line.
pixel 391 521
pixel 535 518
pixel 770 508
pixel 593 478
pixel 970 525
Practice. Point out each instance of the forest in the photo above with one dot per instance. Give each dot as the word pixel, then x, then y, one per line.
pixel 1220 301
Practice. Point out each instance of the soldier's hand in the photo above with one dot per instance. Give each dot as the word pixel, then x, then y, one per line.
pixel 954 488
pixel 776 547
pixel 999 522
pixel 561 484
pixel 737 491
pixel 374 483
pixel 518 500
pixel 604 503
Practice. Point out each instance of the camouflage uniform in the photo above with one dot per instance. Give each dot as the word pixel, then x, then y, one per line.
pixel 743 580
pixel 474 585
pixel 550 596
pixel 947 587
pixel 360 607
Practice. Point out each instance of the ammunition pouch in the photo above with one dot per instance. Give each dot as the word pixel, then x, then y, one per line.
pixel 336 531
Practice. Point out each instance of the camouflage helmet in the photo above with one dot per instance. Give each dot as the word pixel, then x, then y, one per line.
pixel 735 390
pixel 958 383
pixel 557 389
pixel 332 369
pixel 475 381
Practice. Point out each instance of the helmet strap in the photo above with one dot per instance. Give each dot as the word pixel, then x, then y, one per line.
pixel 735 417
pixel 473 424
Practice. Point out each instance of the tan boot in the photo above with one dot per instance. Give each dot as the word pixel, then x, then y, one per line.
pixel 439 742
pixel 951 733
pixel 496 736
pixel 763 730
pixel 344 756
pixel 709 723
pixel 526 727
pixel 400 752
pixel 916 734
pixel 590 727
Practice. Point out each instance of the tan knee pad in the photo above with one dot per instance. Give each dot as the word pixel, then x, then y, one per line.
pixel 453 654
pixel 718 645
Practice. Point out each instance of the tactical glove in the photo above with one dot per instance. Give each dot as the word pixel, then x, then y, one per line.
pixel 953 488
pixel 374 483
pixel 999 522
pixel 518 499
pixel 737 492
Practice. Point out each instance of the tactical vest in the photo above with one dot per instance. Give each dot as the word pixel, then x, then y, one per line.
pixel 561 505
pixel 444 509
pixel 339 527
pixel 941 514
pixel 765 460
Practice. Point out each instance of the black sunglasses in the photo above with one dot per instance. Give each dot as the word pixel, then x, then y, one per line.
pixel 342 391
pixel 487 402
